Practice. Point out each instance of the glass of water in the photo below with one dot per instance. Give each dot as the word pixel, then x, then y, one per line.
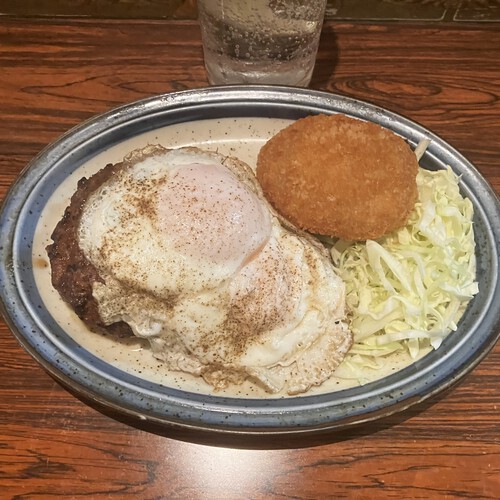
pixel 260 41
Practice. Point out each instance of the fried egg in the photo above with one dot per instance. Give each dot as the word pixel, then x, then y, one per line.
pixel 195 260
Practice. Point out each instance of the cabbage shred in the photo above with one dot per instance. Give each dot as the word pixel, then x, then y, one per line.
pixel 407 290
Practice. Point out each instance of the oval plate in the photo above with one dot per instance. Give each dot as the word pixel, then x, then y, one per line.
pixel 46 340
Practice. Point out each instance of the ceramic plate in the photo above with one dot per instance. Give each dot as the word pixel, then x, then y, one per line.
pixel 123 375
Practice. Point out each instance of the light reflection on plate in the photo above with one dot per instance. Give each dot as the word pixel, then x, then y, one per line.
pixel 236 121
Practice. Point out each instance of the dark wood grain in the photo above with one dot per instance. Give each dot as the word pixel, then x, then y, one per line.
pixel 56 74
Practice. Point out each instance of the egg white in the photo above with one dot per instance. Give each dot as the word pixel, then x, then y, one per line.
pixel 194 259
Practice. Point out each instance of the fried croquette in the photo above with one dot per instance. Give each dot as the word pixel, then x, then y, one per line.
pixel 339 176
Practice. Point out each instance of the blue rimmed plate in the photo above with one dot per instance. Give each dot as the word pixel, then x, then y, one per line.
pixel 234 120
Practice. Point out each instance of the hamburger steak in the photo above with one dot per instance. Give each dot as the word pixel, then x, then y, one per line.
pixel 180 247
pixel 72 273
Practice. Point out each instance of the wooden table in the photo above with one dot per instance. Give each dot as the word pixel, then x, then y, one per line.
pixel 54 74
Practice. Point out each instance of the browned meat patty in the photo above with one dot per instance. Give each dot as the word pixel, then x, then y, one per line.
pixel 72 274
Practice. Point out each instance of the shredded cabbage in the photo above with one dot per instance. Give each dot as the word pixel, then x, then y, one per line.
pixel 407 290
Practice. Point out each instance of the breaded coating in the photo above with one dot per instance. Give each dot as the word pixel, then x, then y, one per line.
pixel 339 176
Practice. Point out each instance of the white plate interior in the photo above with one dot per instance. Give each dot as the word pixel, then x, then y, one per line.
pixel 241 137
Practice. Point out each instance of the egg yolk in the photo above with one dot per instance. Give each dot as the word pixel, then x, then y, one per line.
pixel 210 215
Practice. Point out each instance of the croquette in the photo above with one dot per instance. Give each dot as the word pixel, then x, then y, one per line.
pixel 339 176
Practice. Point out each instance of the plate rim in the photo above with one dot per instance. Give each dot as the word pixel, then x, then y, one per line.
pixel 187 101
